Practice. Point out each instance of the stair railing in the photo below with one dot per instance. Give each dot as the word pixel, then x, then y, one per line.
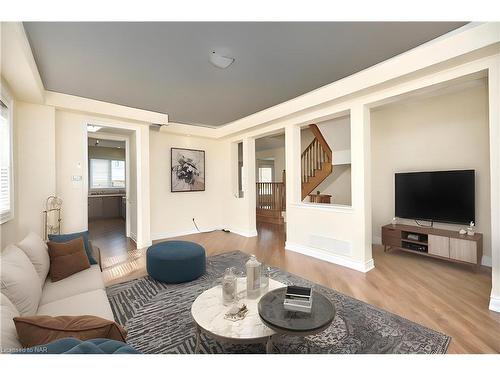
pixel 271 196
pixel 314 156
pixel 317 153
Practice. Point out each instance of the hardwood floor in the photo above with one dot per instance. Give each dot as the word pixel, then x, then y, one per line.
pixel 109 236
pixel 450 298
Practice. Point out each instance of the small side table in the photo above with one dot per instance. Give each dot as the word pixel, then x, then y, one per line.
pixel 208 314
pixel 320 198
pixel 273 314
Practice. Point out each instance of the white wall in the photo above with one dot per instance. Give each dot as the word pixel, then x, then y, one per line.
pixel 338 185
pixel 172 213
pixel 443 132
pixel 71 157
pixel 333 233
pixel 35 136
pixel 34 166
pixel 71 152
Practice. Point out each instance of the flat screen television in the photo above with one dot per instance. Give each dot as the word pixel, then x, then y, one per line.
pixel 444 196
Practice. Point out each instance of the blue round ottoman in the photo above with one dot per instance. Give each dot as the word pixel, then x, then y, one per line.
pixel 175 261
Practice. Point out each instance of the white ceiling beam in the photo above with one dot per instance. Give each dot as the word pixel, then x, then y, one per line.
pixel 79 104
pixel 18 66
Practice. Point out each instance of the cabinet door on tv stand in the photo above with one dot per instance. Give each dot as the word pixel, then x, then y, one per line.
pixel 439 245
pixel 463 250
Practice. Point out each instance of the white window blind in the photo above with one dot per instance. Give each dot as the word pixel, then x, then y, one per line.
pixel 100 173
pixel 118 173
pixel 6 194
pixel 106 174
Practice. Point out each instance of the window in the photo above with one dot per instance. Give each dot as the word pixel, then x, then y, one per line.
pixel 107 174
pixel 265 174
pixel 6 178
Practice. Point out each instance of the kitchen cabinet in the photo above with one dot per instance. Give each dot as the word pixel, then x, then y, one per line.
pixel 107 206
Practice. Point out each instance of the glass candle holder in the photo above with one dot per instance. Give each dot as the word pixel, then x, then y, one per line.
pixel 229 287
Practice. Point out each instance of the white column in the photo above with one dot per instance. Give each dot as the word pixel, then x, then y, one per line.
pixel 494 123
pixel 143 191
pixel 249 185
pixel 361 180
pixel 234 169
pixel 292 165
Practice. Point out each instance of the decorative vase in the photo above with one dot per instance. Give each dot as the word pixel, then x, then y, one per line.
pixel 470 229
pixel 253 268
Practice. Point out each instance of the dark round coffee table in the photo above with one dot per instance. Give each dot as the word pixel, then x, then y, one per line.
pixel 274 315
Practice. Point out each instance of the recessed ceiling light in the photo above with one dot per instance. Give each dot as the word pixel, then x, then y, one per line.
pixel 93 128
pixel 219 61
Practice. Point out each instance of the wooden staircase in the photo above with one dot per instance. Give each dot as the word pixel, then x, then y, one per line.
pixel 316 162
pixel 271 201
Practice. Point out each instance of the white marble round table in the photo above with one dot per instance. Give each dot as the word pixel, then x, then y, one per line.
pixel 208 313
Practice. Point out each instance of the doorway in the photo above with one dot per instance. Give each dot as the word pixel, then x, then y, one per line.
pixel 270 179
pixel 110 174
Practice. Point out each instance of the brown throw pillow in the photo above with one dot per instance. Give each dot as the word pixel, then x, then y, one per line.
pixel 42 329
pixel 67 258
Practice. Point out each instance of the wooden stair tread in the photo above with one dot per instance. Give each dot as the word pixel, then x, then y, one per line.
pixel 269 216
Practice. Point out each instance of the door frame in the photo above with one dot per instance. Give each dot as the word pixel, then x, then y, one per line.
pixel 140 132
pixel 113 137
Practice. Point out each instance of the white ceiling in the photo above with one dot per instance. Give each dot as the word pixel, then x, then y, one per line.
pixel 163 66
pixel 270 142
pixel 105 143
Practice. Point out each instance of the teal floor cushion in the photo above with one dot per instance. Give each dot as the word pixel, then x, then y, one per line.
pixel 175 261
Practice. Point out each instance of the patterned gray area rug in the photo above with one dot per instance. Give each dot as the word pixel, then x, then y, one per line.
pixel 158 319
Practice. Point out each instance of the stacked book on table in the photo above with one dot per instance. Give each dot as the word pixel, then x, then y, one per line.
pixel 298 298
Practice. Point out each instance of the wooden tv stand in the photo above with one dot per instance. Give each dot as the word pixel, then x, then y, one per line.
pixel 436 243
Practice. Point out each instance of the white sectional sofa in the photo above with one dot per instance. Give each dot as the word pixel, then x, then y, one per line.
pixel 26 289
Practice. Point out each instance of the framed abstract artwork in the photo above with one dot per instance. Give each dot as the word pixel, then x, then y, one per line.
pixel 187 170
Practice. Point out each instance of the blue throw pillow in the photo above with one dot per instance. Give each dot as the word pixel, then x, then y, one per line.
pixel 71 236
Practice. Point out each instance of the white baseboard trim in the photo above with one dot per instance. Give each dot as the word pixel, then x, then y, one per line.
pixel 495 303
pixel 486 261
pixel 144 244
pixel 164 235
pixel 368 266
pixel 244 232
pixel 141 245
pixel 329 257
